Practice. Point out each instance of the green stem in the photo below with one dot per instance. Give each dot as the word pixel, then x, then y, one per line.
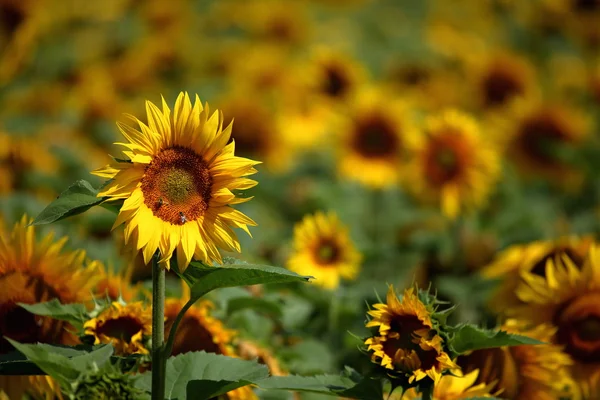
pixel 158 330
pixel 173 331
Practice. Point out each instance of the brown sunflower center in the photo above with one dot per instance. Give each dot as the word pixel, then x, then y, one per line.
pixel 192 335
pixel 586 5
pixel 540 137
pixel 444 159
pixel 500 85
pixel 17 324
pixel 494 365
pixel 123 328
pixel 177 185
pixel 336 82
pixel 327 252
pixel 539 268
pixel 11 17
pixel 375 137
pixel 579 327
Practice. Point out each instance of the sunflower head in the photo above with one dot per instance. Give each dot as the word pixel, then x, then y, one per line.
pixel 451 163
pixel 456 387
pixel 177 182
pixel 115 286
pixel 323 249
pixel 406 342
pixel 127 327
pixel 522 372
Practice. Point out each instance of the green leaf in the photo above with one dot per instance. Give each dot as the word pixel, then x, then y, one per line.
pixel 79 197
pixel 202 278
pixel 205 375
pixel 332 385
pixel 74 313
pixel 469 337
pixel 258 304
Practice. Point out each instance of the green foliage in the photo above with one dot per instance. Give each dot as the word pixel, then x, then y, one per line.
pixel 75 314
pixel 107 383
pixel 255 303
pixel 202 278
pixel 78 198
pixel 467 337
pixel 202 376
pixel 349 384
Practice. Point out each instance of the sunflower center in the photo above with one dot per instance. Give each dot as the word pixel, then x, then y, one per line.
pixel 539 268
pixel 17 324
pixel 579 327
pixel 177 185
pixel 586 5
pixel 375 138
pixel 336 83
pixel 501 85
pixel 123 328
pixel 11 17
pixel 192 335
pixel 443 159
pixel 540 138
pixel 328 252
pixel 494 365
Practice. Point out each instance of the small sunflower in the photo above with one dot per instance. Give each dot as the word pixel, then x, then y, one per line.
pixel 116 286
pixel 127 327
pixel 522 372
pixel 532 257
pixel 452 164
pixel 323 249
pixel 372 139
pixel 177 182
pixel 456 387
pixel 252 351
pixel 541 138
pixel 33 271
pixel 568 297
pixel 406 342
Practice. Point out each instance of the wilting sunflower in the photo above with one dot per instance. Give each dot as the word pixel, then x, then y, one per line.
pixel 451 163
pixel 510 263
pixel 568 296
pixel 199 331
pixel 542 138
pixel 455 387
pixel 522 372
pixel 177 182
pixel 406 343
pixel 33 271
pixel 323 249
pixel 371 139
pixel 127 327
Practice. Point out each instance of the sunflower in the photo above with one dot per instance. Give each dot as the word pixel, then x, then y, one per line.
pixel 568 296
pixel 116 286
pixel 541 138
pixel 455 387
pixel 323 249
pixel 451 163
pixel 406 342
pixel 127 327
pixel 31 272
pixel 510 263
pixel 252 351
pixel 177 182
pixel 199 331
pixel 522 372
pixel 371 139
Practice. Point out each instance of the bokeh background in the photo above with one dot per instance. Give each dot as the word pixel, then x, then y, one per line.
pixel 330 95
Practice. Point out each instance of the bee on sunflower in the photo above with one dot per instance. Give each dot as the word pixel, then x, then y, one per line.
pixel 451 163
pixel 177 184
pixel 568 298
pixel 323 249
pixel 407 343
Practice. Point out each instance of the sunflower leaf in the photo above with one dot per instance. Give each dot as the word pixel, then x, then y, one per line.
pixel 202 278
pixel 201 375
pixel 255 303
pixel 74 313
pixel 332 385
pixel 78 198
pixel 469 337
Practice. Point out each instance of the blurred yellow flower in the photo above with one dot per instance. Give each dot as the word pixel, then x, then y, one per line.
pixel 176 183
pixel 522 372
pixel 371 139
pixel 115 286
pixel 451 163
pixel 568 297
pixel 456 387
pixel 323 249
pixel 127 327
pixel 405 342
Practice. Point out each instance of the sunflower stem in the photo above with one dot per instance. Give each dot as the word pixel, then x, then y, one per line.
pixel 158 330
pixel 173 331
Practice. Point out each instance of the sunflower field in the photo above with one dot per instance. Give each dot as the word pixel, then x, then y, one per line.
pixel 299 199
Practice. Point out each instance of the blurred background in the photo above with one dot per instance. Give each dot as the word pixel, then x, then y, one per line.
pixel 337 99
